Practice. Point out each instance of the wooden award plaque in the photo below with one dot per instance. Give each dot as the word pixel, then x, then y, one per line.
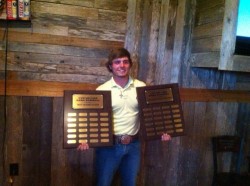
pixel 87 118
pixel 160 111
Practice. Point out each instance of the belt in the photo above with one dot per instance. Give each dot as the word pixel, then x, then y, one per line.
pixel 125 139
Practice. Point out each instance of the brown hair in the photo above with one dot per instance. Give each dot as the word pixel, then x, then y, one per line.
pixel 117 53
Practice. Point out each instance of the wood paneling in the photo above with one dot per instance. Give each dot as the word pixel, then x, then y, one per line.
pixel 203 45
pixel 14 136
pixel 214 32
pixel 2 138
pixel 208 59
pixel 68 166
pixel 36 142
pixel 60 34
pixel 207 34
pixel 210 95
pixel 208 4
pixel 67 51
pixel 119 5
pixel 25 37
pixel 55 89
pixel 63 9
pixel 241 63
pixel 50 89
pixel 85 3
pixel 207 30
pixel 229 35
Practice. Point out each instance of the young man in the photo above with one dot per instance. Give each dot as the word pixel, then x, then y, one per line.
pixel 124 156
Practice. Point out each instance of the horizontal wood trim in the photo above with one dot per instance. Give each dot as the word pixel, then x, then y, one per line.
pixel 85 3
pixel 229 34
pixel 241 63
pixel 210 44
pixel 41 88
pixel 119 5
pixel 57 49
pixel 209 13
pixel 63 9
pixel 25 37
pixel 205 59
pixel 55 89
pixel 210 95
pixel 208 30
pixel 202 5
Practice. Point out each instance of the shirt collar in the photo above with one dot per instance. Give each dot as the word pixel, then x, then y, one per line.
pixel 130 82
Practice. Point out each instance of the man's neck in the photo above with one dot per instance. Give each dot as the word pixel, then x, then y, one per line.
pixel 122 81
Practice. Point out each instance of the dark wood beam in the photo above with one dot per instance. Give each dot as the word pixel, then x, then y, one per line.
pixel 212 95
pixel 55 89
pixel 41 88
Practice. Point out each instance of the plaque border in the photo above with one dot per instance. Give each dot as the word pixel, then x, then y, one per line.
pixel 68 108
pixel 144 105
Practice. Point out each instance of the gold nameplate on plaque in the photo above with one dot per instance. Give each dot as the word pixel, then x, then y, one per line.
pixel 160 111
pixel 87 118
pixel 159 95
pixel 87 101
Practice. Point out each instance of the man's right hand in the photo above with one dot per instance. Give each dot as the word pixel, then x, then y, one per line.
pixel 83 146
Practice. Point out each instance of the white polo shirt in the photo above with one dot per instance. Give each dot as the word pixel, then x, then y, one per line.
pixel 124 105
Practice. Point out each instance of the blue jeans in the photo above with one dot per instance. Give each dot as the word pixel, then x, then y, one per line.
pixel 124 158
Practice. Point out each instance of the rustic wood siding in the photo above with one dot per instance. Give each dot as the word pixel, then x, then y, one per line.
pixel 66 46
pixel 63 39
pixel 214 36
pixel 207 33
pixel 35 143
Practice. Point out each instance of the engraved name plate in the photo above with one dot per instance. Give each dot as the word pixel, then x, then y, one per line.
pixel 159 95
pixel 160 111
pixel 87 101
pixel 87 118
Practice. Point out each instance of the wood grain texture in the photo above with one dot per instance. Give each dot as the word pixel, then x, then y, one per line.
pixel 205 59
pixel 68 51
pixel 55 89
pixel 63 9
pixel 62 37
pixel 14 136
pixel 241 63
pixel 229 35
pixel 85 3
pixel 210 44
pixel 42 38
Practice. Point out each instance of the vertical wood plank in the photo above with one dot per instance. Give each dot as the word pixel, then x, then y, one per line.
pixel 2 140
pixel 198 140
pixel 229 35
pixel 14 140
pixel 46 111
pixel 69 167
pixel 37 120
pixel 179 44
pixel 243 129
pixel 166 43
pixel 133 34
pixel 162 65
pixel 145 33
pixel 187 152
pixel 153 41
pixel 31 140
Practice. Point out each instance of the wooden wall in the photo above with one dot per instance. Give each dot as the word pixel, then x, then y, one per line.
pixel 214 36
pixel 67 41
pixel 207 33
pixel 168 29
pixel 66 46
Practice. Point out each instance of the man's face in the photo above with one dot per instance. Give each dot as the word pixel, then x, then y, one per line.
pixel 120 67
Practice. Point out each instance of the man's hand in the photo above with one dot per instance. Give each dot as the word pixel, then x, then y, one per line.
pixel 165 137
pixel 83 146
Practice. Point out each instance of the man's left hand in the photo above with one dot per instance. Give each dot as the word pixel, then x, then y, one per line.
pixel 165 137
